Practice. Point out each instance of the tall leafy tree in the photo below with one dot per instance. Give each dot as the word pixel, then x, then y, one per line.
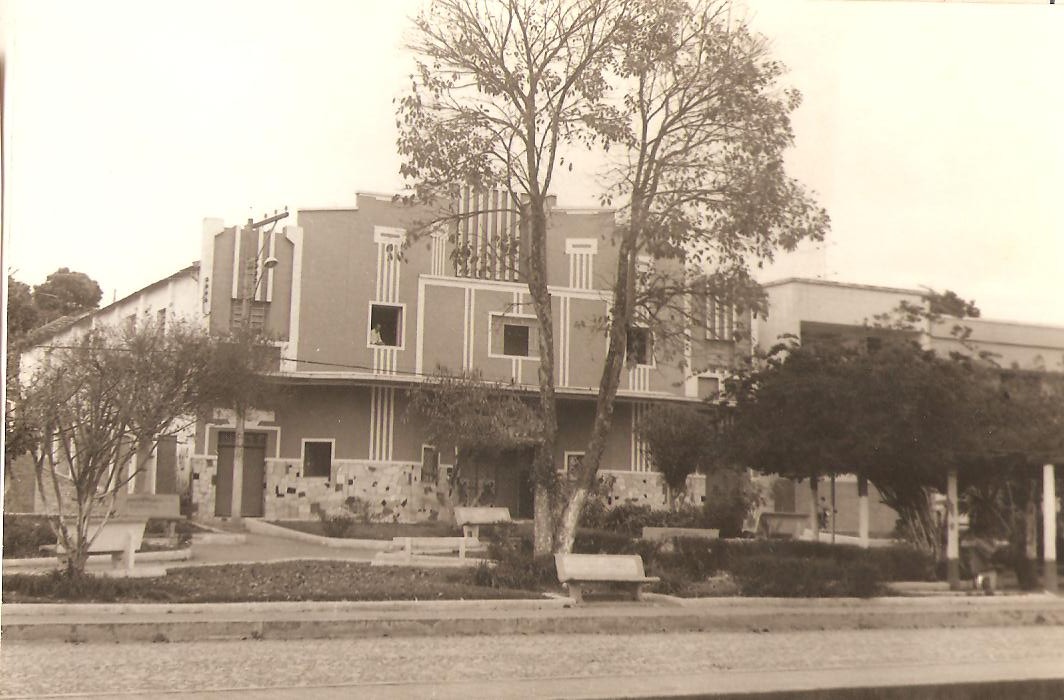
pixel 679 439
pixel 66 292
pixel 479 419
pixel 22 313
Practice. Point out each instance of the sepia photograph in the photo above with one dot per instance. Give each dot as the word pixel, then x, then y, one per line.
pixel 532 349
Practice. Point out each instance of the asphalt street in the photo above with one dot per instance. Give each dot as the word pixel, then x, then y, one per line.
pixel 572 665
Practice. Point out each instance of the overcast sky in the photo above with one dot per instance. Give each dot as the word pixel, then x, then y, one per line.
pixel 931 133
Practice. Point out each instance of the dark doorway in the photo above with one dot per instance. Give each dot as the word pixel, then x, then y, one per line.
pixel 514 483
pixel 253 487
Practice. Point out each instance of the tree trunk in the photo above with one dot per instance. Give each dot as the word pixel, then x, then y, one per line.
pixel 544 473
pixel 580 485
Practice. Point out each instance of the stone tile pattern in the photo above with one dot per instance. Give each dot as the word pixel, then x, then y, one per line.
pixel 647 488
pixel 393 490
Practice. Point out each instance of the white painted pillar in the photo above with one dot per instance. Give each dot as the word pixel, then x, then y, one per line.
pixel 953 545
pixel 1049 528
pixel 862 511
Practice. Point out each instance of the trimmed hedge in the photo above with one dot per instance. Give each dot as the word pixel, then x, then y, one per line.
pixel 24 535
pixel 777 568
pixel 793 577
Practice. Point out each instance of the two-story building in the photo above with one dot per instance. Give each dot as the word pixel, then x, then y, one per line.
pixel 361 311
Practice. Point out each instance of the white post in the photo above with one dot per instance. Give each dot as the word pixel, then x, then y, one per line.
pixel 1049 528
pixel 953 547
pixel 862 510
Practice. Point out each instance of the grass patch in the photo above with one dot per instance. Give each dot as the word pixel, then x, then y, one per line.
pixel 280 581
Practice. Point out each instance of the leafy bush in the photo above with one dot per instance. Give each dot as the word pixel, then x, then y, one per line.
pixel 60 585
pixel 790 577
pixel 337 522
pixel 515 566
pixel 602 542
pixel 730 496
pixel 24 535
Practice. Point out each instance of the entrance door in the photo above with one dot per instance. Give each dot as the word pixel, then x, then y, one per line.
pixel 251 501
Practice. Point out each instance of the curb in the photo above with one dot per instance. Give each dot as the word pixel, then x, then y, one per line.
pixel 301 620
pixel 52 562
pixel 263 528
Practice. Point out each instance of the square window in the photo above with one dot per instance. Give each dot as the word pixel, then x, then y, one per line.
pixel 708 387
pixel 638 348
pixel 513 336
pixel 514 340
pixel 573 460
pixel 317 458
pixel 385 325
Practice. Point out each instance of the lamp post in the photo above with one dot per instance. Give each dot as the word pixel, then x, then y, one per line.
pixel 252 279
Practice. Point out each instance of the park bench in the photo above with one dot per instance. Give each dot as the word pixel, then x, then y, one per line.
pixel 120 537
pixel 150 506
pixel 623 570
pixel 436 545
pixel 471 518
pixel 777 524
pixel 667 534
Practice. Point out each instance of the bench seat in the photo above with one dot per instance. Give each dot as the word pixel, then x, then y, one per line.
pixel 470 518
pixel 663 534
pixel 622 570
pixel 778 524
pixel 119 537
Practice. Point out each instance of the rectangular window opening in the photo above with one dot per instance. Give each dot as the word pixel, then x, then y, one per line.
pixel 708 388
pixel 430 464
pixel 513 336
pixel 385 323
pixel 317 458
pixel 514 340
pixel 638 349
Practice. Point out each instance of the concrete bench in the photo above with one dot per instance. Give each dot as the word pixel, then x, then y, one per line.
pixel 435 545
pixel 789 525
pixel 624 570
pixel 120 538
pixel 471 518
pixel 135 506
pixel 665 534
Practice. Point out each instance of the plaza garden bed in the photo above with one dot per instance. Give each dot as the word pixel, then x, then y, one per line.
pixel 280 581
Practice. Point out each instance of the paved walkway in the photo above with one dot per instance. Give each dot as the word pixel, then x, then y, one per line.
pixel 260 548
pixel 513 666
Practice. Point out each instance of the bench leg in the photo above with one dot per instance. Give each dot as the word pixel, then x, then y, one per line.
pixel 408 547
pixel 637 592
pixel 462 548
pixel 576 592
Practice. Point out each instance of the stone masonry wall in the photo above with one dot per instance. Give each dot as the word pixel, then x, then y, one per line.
pixel 393 490
pixel 647 488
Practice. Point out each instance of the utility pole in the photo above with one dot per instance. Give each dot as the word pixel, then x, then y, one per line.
pixel 250 285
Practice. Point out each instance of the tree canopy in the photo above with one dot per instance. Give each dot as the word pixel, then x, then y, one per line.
pixel 686 107
pixel 66 292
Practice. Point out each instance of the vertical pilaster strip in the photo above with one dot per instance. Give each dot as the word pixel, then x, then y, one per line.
pixel 373 423
pixel 389 394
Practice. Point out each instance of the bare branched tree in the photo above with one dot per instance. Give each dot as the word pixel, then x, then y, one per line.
pixel 96 409
pixel 502 87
